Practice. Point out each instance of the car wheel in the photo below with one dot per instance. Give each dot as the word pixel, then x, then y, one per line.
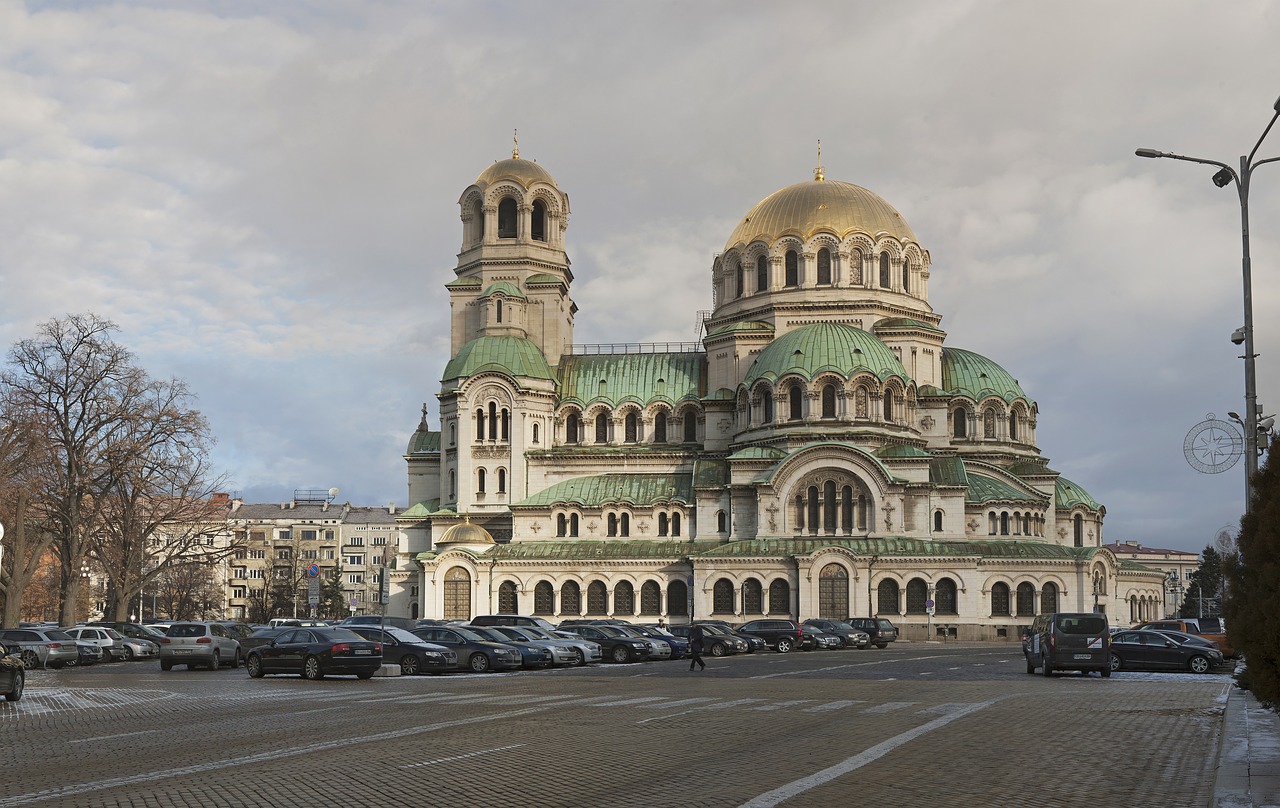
pixel 479 663
pixel 254 666
pixel 718 649
pixel 19 681
pixel 166 664
pixel 235 660
pixel 311 669
pixel 1198 664
pixel 216 662
pixel 1031 666
pixel 365 675
pixel 29 659
pixel 1047 667
pixel 409 665
pixel 1115 663
pixel 784 646
pixel 621 654
pixel 128 654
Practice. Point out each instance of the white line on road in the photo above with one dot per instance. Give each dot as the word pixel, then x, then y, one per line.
pixel 797 787
pixel 460 757
pixel 120 735
pixel 888 707
pixel 830 706
pixel 843 667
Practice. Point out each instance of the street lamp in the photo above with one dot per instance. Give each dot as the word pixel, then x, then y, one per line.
pixel 1173 583
pixel 1226 175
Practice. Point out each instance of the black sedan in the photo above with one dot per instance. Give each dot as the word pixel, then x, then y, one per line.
pixel 474 651
pixel 315 653
pixel 406 649
pixel 13 673
pixel 1153 651
pixel 719 640
pixel 531 656
pixel 616 647
pixel 850 637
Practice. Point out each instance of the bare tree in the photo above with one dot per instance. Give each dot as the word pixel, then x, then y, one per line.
pixel 26 539
pixel 189 591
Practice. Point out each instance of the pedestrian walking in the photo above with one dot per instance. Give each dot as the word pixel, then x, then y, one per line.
pixel 696 637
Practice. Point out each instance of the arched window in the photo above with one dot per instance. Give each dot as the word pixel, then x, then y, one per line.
pixel 535 433
pixel 992 524
pixel 499 309
pixel 479 424
pixel 959 424
pixel 630 427
pixel 722 597
pixel 1026 600
pixel 570 598
pixel 722 522
pixel 573 525
pixel 538 224
pixel 597 598
pixel 884 270
pixel 507 598
pixel 690 427
pixel 675 524
pixel 502 481
pixel 1048 598
pixel 829 403
pixel 650 598
pixel 477 216
pixel 507 218
pixel 506 424
pixel 887 597
pixel 1000 600
pixel 602 428
pixel 779 597
pixel 1077 523
pixel 624 598
pixel 917 596
pixel 678 598
pixel 1004 523
pixel 1013 425
pixel 752 597
pixel 768 407
pixel 824 273
pixel 480 481
pixel 762 273
pixel 795 401
pixel 624 524
pixel 906 274
pixel 937 521
pixel 888 405
pixel 493 420
pixel 562 526
pixel 793 268
pixel 453 484
pixel 944 597
pixel 453 434
pixel 833 592
pixel 572 428
pixel 612 521
pixel 544 598
pixel 662 524
pixel 660 428
pixel 457 594
pixel 739 280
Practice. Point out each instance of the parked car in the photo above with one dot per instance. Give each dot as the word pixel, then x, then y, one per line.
pixel 204 643
pixel 413 654
pixel 1183 638
pixel 781 635
pixel 562 653
pixel 880 630
pixel 717 640
pixel 821 640
pixel 850 637
pixel 1212 629
pixel 679 645
pixel 263 635
pixel 475 652
pixel 1077 641
pixel 110 646
pixel 591 650
pixel 532 655
pixel 315 653
pixel 13 673
pixel 406 623
pixel 129 629
pixel 616 647
pixel 42 647
pixel 753 642
pixel 136 648
pixel 1153 651
pixel 658 647
pixel 512 620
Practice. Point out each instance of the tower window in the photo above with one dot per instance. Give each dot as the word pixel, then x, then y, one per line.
pixel 824 267
pixel 768 407
pixel 795 398
pixel 793 268
pixel 572 428
pixel 762 274
pixel 906 275
pixel 602 428
pixel 884 270
pixel 660 428
pixel 507 218
pixel 888 405
pixel 829 401
pixel 690 427
pixel 480 481
pixel 502 481
pixel 959 424
pixel 539 223
pixel 631 428
pixel 740 279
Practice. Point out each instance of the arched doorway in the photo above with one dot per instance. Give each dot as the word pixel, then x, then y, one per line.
pixel 457 594
pixel 833 592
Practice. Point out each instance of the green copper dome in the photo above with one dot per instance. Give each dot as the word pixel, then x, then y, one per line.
pixel 977 377
pixel 820 347
pixel 512 356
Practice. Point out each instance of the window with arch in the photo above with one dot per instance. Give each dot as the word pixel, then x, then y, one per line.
pixel 1000 599
pixel 944 597
pixel 502 481
pixel 572 428
pixel 498 308
pixel 829 403
pixel 506 425
pixel 906 274
pixel 493 420
pixel 479 423
pixel 722 597
pixel 795 404
pixel 768 407
pixel 650 598
pixel 507 598
pixel 631 427
pixel 833 592
pixel 937 521
pixel 888 405
pixel 624 524
pixel 722 522
pixel 884 270
pixel 507 218
pixel 624 598
pixel 779 597
pixel 573 525
pixel 597 598
pixel 887 597
pixel 535 433
pixel 1048 598
pixel 477 216
pixel 663 524
pixel 480 481
pixel 675 523
pixel 602 428
pixel 753 597
pixel 570 598
pixel 1077 526
pixel 824 273
pixel 562 526
pixel 660 427
pixel 690 427
pixel 917 596
pixel 739 277
pixel 544 598
pixel 1004 523
pixel 959 424
pixel 762 273
pixel 993 525
pixel 1026 600
pixel 792 262
pixel 453 434
pixel 1013 425
pixel 453 484
pixel 677 598
pixel 538 223
pixel 611 522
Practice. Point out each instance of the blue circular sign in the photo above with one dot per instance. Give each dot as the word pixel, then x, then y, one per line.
pixel 313 571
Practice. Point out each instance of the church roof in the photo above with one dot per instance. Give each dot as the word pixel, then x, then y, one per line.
pixel 423 440
pixel 603 489
pixel 820 347
pixel 588 550
pixel 969 374
pixel 503 288
pixel 524 172
pixel 817 206
pixel 464 533
pixel 512 356
pixel 905 324
pixel 640 377
pixel 1067 495
pixel 984 488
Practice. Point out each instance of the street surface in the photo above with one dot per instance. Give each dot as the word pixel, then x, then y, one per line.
pixel 917 724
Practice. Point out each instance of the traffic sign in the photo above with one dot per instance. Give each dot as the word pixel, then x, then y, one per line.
pixel 928 606
pixel 313 571
pixel 313 592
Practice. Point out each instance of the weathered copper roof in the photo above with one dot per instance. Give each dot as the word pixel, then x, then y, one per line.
pixel 602 489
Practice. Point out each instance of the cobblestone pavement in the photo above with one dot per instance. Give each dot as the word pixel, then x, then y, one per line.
pixel 915 725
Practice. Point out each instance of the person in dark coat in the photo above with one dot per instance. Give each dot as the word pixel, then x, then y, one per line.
pixel 696 638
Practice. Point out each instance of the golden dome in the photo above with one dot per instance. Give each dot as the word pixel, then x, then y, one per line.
pixel 465 533
pixel 524 172
pixel 820 205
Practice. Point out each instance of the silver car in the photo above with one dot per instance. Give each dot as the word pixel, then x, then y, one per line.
pixel 108 641
pixel 42 647
pixel 658 649
pixel 192 644
pixel 562 653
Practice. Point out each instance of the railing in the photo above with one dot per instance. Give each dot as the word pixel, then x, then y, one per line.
pixel 635 348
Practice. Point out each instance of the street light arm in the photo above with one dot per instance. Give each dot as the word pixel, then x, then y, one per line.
pixel 1263 163
pixel 1183 157
pixel 1264 135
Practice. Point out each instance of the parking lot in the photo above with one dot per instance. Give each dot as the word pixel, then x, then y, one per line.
pixel 916 724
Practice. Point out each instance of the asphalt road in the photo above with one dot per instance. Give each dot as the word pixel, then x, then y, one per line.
pixel 917 724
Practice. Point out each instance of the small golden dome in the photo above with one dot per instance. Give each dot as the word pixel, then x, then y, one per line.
pixel 524 172
pixel 820 205
pixel 465 533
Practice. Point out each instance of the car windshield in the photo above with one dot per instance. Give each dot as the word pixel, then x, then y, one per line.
pixel 401 635
pixel 536 632
pixel 113 634
pixel 187 630
pixel 1082 624
pixel 884 625
pixel 611 631
pixel 469 634
pixel 490 633
pixel 344 634
pixel 57 635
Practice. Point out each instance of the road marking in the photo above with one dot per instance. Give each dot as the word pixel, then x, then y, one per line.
pixel 460 757
pixel 843 667
pixel 797 787
pixel 625 702
pixel 668 704
pixel 888 707
pixel 120 735
pixel 943 709
pixel 829 706
pixel 781 704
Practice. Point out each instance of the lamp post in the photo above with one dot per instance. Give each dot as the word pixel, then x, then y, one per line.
pixel 1173 583
pixel 1222 178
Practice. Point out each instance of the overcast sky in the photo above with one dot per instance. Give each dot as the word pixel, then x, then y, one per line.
pixel 263 196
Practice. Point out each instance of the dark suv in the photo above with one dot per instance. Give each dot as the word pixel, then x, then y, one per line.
pixel 849 636
pixel 782 635
pixel 880 630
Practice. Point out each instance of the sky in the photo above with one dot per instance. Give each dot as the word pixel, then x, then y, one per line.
pixel 264 198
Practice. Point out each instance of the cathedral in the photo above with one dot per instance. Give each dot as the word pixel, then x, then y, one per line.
pixel 823 451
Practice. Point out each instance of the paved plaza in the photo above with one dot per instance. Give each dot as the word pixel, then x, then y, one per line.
pixel 914 725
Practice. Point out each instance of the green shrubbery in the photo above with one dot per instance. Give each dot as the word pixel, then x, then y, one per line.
pixel 1252 605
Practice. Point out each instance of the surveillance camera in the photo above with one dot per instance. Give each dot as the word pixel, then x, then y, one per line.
pixel 1223 178
pixel 1237 336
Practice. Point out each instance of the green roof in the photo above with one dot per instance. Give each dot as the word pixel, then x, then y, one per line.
pixel 503 288
pixel 901 451
pixel 983 488
pixel 596 550
pixel 758 453
pixel 462 283
pixel 722 394
pixel 424 440
pixel 710 474
pixel 543 278
pixel 1067 495
pixel 639 377
pixel 969 374
pixel 745 326
pixel 900 547
pixel 511 356
pixel 602 489
pixel 948 471
pixel 420 510
pixel 820 347
pixel 905 323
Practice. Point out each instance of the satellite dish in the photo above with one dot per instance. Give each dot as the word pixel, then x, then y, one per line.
pixel 1225 541
pixel 333 492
